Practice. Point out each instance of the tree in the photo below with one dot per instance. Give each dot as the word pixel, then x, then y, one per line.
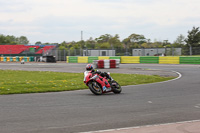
pixel 108 41
pixel 11 39
pixel 7 39
pixel 146 45
pixel 22 40
pixel 158 44
pixel 90 43
pixel 180 40
pixel 136 38
pixel 38 43
pixel 80 44
pixel 134 41
pixel 115 42
pixel 193 37
pixel 105 45
pixel 2 39
pixel 103 38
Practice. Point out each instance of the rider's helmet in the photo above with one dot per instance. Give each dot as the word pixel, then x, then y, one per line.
pixel 89 67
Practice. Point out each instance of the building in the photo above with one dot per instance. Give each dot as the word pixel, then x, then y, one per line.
pixel 98 52
pixel 156 51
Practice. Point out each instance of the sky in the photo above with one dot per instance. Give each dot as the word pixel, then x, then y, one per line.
pixel 55 21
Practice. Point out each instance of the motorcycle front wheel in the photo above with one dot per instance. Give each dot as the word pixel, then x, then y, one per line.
pixel 95 88
pixel 116 87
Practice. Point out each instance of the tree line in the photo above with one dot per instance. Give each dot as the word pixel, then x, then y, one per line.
pixel 108 41
pixel 12 40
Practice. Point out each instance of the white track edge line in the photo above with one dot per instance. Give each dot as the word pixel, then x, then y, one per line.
pixel 118 129
pixel 178 73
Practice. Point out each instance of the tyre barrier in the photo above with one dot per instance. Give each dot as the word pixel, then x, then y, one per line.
pixel 113 63
pixel 16 59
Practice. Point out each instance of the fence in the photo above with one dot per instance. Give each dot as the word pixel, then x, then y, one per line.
pixel 61 54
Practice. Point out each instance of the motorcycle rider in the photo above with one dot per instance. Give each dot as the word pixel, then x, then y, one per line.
pixel 90 67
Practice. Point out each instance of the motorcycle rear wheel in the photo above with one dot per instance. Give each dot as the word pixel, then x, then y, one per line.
pixel 95 88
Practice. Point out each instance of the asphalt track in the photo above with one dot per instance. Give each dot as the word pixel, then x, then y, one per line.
pixel 81 111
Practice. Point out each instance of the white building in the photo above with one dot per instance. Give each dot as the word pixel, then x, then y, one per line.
pixel 98 52
pixel 155 51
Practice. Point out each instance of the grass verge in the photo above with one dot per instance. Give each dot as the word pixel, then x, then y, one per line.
pixel 18 82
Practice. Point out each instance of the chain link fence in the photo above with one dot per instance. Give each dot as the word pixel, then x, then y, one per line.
pixel 185 51
pixel 61 54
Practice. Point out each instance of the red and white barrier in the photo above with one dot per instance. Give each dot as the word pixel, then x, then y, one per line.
pixel 114 63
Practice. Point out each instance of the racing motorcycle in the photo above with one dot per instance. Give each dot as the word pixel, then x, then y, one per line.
pixel 97 83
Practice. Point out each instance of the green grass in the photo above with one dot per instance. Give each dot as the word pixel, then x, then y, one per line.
pixel 18 82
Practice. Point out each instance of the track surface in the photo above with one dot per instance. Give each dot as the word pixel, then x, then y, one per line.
pixel 80 111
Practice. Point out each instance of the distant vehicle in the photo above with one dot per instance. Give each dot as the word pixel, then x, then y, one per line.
pixel 49 59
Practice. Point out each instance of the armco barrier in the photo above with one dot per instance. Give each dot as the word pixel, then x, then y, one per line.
pixel 72 59
pixel 134 59
pixel 149 59
pixel 103 57
pixel 168 60
pixel 82 59
pixel 189 60
pixel 89 59
pixel 130 59
pixel 92 58
pixel 115 57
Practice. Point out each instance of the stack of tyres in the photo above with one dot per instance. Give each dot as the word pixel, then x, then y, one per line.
pixel 28 59
pixel 112 63
pixel 14 59
pixel 117 63
pixel 1 58
pixel 4 59
pixel 100 64
pixel 20 58
pixel 8 59
pixel 17 58
pixel 11 59
pixel 32 58
pixel 106 63
pixel 25 59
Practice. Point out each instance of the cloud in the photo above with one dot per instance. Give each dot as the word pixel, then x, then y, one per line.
pixel 59 20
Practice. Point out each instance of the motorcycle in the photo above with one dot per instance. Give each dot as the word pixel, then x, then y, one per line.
pixel 96 83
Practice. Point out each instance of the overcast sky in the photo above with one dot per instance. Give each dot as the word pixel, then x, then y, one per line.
pixel 63 20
